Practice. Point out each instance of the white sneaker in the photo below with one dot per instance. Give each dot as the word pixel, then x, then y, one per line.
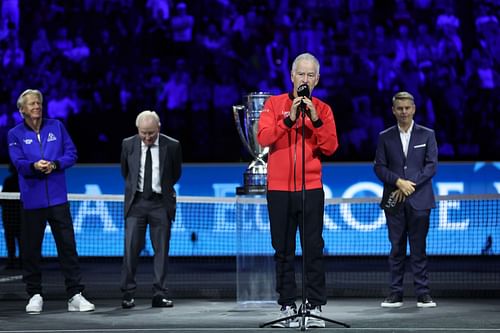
pixel 315 322
pixel 80 303
pixel 35 304
pixel 287 311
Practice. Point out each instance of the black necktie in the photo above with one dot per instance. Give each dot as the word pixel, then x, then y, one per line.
pixel 147 189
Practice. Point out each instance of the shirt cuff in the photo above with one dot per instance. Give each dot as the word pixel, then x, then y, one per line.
pixel 317 123
pixel 288 122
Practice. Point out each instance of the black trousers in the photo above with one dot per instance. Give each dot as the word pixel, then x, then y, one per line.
pixel 408 224
pixel 143 213
pixel 33 226
pixel 285 215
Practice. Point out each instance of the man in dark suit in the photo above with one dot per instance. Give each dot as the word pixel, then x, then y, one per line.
pixel 405 161
pixel 151 165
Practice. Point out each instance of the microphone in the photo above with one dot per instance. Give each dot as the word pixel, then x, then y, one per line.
pixel 303 91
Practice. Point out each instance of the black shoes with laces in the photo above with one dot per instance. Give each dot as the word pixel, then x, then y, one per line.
pixel 396 301
pixel 128 301
pixel 393 301
pixel 425 301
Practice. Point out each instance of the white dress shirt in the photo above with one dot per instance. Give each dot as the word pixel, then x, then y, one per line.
pixel 155 157
pixel 405 137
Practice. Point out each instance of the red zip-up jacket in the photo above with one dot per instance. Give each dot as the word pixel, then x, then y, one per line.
pixel 284 139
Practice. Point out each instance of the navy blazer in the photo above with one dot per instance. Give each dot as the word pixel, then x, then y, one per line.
pixel 170 169
pixel 419 166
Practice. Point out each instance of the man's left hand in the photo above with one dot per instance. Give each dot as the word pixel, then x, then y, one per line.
pixel 311 110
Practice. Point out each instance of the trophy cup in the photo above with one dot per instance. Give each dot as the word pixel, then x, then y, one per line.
pixel 255 176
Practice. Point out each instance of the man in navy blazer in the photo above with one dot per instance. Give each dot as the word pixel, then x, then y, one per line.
pixel 405 161
pixel 151 165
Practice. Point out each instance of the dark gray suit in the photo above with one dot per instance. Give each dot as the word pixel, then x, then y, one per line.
pixel 158 212
pixel 411 220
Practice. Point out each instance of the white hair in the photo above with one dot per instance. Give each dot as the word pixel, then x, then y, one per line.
pixel 147 114
pixel 21 100
pixel 307 57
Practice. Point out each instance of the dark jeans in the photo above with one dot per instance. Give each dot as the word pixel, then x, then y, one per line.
pixel 33 226
pixel 285 215
pixel 412 225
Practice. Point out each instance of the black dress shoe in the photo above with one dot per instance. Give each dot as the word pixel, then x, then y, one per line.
pixel 161 302
pixel 128 301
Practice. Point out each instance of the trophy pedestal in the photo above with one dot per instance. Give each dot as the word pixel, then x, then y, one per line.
pixel 254 254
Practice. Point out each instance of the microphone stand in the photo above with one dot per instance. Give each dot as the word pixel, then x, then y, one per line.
pixel 303 311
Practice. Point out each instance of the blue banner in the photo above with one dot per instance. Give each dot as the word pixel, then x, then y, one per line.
pixel 340 179
pixel 211 229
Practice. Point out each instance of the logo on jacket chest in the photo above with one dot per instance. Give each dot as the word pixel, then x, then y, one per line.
pixel 51 137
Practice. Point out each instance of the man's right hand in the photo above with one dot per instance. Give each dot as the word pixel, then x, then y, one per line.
pixel 43 166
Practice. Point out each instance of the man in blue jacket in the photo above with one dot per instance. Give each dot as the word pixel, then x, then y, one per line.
pixel 41 150
pixel 405 161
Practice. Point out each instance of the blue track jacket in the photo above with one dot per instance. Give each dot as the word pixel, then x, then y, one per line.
pixel 39 190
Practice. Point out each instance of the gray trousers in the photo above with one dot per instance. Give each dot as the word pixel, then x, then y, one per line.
pixel 143 213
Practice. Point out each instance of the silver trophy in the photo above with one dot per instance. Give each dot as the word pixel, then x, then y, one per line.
pixel 255 176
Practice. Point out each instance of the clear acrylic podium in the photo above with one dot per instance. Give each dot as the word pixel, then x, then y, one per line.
pixel 255 276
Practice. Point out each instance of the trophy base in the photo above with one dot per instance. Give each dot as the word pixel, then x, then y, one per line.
pixel 251 189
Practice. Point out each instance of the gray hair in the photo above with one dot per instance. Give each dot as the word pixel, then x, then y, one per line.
pixel 307 57
pixel 147 114
pixel 402 95
pixel 21 100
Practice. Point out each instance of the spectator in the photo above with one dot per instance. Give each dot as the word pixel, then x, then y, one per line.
pixel 405 48
pixel 62 42
pixel 381 44
pixel 10 13
pixel 79 51
pixel 182 29
pixel 40 46
pixel 13 57
pixel 277 60
pixel 426 45
pixel 176 90
pixel 214 41
pixel 159 9
pixel 61 106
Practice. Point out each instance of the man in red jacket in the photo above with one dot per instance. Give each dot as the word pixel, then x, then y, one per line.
pixel 280 128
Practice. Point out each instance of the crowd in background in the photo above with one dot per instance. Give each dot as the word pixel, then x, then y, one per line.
pixel 99 63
